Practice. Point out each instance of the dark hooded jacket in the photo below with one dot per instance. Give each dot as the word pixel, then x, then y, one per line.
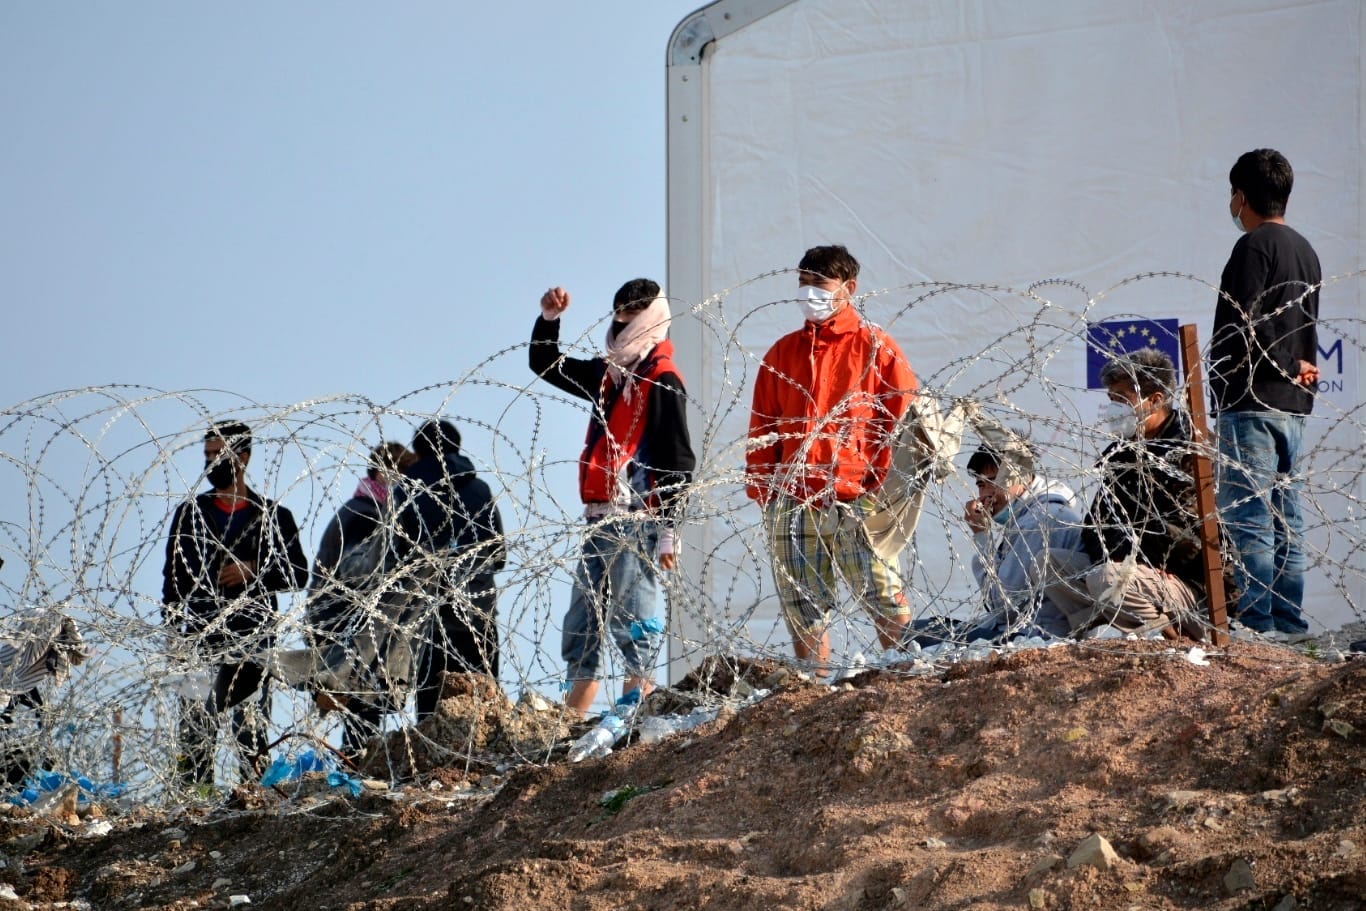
pixel 1145 505
pixel 443 506
pixel 193 601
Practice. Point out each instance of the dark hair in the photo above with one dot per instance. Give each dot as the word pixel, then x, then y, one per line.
pixel 234 434
pixel 637 294
pixel 983 459
pixel 1147 370
pixel 1265 177
pixel 390 458
pixel 436 438
pixel 832 261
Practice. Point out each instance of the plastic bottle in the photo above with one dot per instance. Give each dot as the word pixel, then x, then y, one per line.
pixel 600 740
pixel 657 727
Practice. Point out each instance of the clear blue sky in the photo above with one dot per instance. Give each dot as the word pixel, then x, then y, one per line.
pixel 290 200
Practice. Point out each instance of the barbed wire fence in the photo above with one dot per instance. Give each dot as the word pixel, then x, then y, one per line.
pixel 93 475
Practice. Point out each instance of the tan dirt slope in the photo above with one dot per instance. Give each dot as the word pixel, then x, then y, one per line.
pixel 1240 785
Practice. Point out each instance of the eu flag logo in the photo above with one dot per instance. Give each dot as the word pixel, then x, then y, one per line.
pixel 1111 337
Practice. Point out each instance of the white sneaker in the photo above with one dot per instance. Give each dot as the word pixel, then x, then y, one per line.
pixel 1240 633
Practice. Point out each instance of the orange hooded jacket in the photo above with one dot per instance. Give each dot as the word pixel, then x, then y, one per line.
pixel 832 392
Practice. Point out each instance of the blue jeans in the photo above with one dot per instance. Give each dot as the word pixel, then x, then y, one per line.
pixel 1259 502
pixel 616 589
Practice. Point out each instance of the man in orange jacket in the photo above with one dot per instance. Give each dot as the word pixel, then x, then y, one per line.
pixel 822 430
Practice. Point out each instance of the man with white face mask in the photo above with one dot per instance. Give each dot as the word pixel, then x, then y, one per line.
pixel 826 403
pixel 1140 535
pixel 1262 377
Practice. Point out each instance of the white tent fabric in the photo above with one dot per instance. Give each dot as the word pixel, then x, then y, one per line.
pixel 1057 150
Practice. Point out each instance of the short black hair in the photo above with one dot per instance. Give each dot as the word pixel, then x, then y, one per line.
pixel 832 261
pixel 436 438
pixel 234 434
pixel 1266 178
pixel 637 294
pixel 983 459
pixel 1147 370
pixel 388 458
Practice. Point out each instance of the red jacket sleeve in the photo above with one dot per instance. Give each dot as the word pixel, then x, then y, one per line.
pixel 760 460
pixel 896 390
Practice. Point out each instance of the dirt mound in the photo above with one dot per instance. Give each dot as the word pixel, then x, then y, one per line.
pixel 474 727
pixel 1238 785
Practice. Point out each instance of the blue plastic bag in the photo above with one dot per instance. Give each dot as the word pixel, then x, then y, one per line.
pixel 284 768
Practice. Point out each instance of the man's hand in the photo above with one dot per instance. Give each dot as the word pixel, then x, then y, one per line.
pixel 554 302
pixel 1308 375
pixel 235 573
pixel 977 515
pixel 664 548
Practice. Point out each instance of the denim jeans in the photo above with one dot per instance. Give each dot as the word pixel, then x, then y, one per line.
pixel 616 590
pixel 1259 502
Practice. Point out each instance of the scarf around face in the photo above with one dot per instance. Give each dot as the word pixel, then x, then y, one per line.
pixel 374 488
pixel 627 348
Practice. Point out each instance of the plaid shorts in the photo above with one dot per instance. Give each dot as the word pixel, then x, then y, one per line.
pixel 809 543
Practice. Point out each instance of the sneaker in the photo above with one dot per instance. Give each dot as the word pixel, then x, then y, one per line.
pixel 1239 633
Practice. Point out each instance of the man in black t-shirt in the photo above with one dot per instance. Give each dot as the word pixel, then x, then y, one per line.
pixel 1262 382
pixel 228 552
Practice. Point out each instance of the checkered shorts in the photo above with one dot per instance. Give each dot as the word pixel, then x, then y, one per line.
pixel 808 544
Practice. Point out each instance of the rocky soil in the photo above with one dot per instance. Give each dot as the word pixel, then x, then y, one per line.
pixel 1118 777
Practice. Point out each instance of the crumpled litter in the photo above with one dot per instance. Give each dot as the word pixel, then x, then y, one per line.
pixel 285 769
pixel 41 783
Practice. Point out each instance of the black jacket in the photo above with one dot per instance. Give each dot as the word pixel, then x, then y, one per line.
pixel 352 524
pixel 1261 335
pixel 1145 502
pixel 442 506
pixel 665 444
pixel 192 599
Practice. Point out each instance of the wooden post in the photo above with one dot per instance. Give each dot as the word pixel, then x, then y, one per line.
pixel 1203 471
pixel 118 743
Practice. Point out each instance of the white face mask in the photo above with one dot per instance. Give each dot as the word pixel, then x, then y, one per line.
pixel 818 305
pixel 1120 419
pixel 1238 220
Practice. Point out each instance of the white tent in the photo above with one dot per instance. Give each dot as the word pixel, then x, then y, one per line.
pixel 1049 153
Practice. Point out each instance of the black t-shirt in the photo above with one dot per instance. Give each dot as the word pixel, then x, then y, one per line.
pixel 1262 334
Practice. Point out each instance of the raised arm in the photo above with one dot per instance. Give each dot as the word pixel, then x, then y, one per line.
pixel 580 377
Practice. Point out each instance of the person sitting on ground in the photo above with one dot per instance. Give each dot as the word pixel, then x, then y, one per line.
pixel 1140 535
pixel 1019 519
